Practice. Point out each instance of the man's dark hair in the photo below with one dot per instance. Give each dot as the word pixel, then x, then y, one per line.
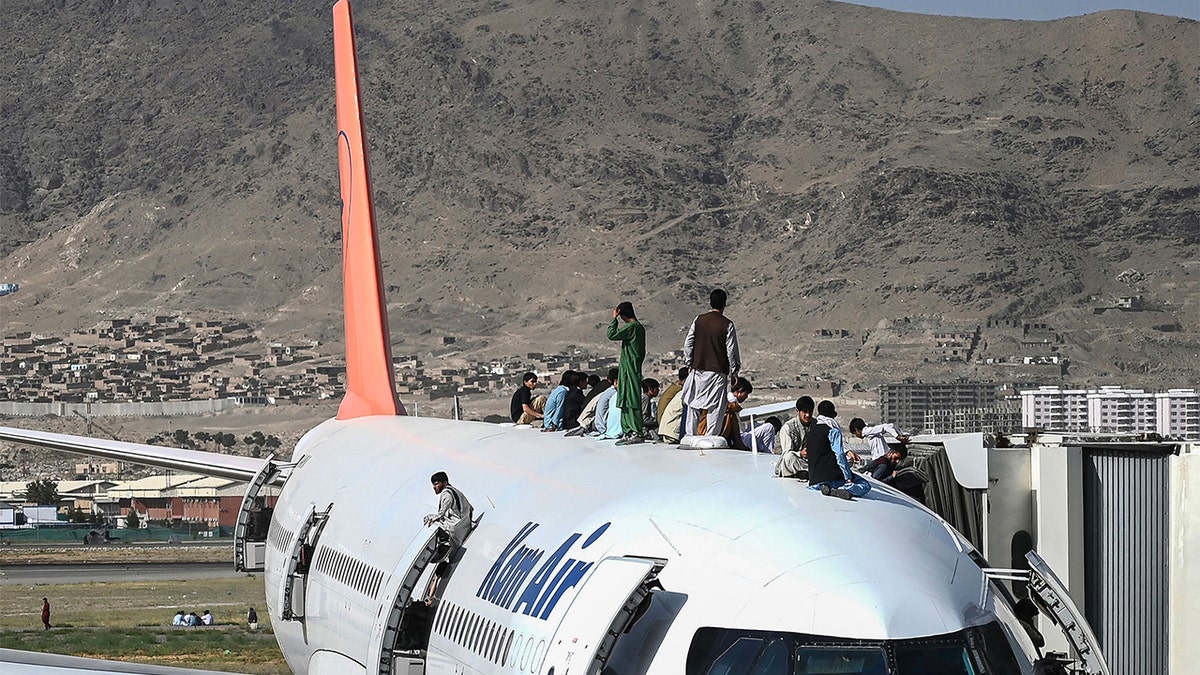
pixel 593 380
pixel 857 424
pixel 568 378
pixel 805 404
pixel 649 383
pixel 774 421
pixel 528 376
pixel 683 373
pixel 613 373
pixel 743 384
pixel 581 380
pixel 625 310
pixel 902 449
pixel 439 477
pixel 717 299
pixel 827 409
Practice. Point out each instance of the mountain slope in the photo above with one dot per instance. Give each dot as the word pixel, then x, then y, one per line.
pixel 536 162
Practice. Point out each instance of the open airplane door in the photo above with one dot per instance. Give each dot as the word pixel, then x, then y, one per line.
pixel 598 615
pixel 1052 597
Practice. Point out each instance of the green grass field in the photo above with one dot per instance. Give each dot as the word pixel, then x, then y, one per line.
pixel 130 621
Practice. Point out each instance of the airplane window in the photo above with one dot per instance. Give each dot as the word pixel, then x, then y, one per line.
pixel 859 661
pixel 773 660
pixel 720 651
pixel 538 656
pixel 736 659
pixel 460 622
pixel 507 646
pixel 526 653
pixel 516 652
pixel 934 660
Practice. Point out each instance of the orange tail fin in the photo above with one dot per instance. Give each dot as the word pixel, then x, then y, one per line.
pixel 370 384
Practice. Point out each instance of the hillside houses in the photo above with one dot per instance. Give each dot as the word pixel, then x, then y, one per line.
pixel 164 359
pixel 167 359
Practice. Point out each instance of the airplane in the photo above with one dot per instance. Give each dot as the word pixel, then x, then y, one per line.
pixel 582 556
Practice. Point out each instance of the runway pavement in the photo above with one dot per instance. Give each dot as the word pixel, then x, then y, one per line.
pixel 11 575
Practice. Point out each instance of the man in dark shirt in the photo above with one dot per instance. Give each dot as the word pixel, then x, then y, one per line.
pixel 523 409
pixel 883 469
pixel 576 399
pixel 828 468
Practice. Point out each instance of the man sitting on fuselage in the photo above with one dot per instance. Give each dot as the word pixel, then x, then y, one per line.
pixel 828 467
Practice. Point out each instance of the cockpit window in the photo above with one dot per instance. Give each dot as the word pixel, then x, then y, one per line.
pixel 838 660
pixel 982 650
pixel 773 660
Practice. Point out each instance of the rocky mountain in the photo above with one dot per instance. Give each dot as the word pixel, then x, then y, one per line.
pixel 833 166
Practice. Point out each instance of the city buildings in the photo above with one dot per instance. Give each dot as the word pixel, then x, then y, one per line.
pixel 905 403
pixel 1174 413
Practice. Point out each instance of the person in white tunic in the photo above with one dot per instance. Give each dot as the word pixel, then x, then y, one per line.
pixel 711 349
pixel 875 435
pixel 454 514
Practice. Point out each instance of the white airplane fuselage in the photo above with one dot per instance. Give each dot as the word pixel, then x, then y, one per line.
pixel 738 549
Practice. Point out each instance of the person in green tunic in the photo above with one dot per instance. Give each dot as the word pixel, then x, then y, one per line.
pixel 630 332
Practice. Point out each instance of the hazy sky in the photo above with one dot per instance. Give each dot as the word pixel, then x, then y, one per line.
pixel 1034 9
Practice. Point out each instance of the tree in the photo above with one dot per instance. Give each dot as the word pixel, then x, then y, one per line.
pixel 203 436
pixel 273 442
pixel 42 492
pixel 227 440
pixel 132 521
pixel 180 436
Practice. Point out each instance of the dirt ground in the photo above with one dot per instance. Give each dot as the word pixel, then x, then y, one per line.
pixel 17 554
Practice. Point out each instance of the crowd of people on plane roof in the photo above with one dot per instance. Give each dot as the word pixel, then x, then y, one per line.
pixel 633 409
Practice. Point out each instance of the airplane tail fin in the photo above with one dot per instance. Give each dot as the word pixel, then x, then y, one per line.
pixel 370 384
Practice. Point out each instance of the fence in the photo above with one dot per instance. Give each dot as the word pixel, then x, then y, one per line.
pixel 132 409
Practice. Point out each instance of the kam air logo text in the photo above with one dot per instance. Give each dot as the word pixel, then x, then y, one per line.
pixel 508 583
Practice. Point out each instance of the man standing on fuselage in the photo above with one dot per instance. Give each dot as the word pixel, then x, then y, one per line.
pixel 626 329
pixel 711 349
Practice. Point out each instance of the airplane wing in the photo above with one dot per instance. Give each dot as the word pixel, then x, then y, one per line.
pixel 16 662
pixel 179 459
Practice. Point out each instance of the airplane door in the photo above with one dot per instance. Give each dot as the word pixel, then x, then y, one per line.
pixel 598 615
pixel 1051 596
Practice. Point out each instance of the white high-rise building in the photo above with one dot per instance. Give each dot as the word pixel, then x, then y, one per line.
pixel 1174 413
pixel 1178 413
pixel 1055 409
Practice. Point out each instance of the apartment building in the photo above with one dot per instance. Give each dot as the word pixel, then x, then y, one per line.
pixel 906 403
pixel 1174 413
